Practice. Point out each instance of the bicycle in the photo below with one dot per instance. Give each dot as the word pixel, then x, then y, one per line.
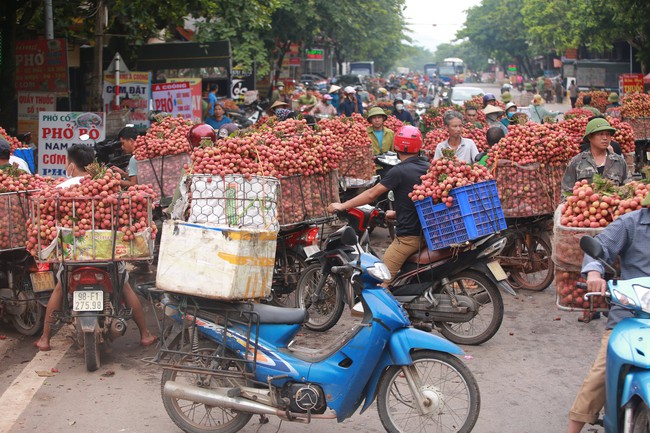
pixel 527 255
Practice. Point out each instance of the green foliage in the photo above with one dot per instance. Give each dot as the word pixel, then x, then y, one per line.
pixel 474 58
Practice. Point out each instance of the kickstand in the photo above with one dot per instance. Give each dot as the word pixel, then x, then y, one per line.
pixel 264 419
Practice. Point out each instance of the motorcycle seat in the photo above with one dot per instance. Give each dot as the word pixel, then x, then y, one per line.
pixel 427 256
pixel 268 314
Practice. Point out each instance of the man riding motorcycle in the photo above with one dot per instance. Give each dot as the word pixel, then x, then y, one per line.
pixel 400 179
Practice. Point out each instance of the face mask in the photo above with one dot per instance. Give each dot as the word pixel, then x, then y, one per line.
pixel 510 114
pixel 491 117
pixel 68 174
pixel 399 107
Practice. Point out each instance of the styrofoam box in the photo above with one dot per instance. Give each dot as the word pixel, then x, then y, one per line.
pixel 216 262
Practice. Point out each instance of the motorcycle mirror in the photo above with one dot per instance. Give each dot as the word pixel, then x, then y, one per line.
pixel 592 247
pixel 391 195
pixel 349 237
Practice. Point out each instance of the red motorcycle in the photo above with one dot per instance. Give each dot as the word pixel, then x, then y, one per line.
pixel 295 244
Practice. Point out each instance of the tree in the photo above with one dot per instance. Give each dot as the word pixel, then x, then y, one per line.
pixel 474 58
pixel 497 28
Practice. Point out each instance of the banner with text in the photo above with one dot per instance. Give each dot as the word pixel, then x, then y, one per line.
pixel 195 91
pixel 630 83
pixel 30 104
pixel 42 65
pixel 173 98
pixel 58 130
pixel 134 91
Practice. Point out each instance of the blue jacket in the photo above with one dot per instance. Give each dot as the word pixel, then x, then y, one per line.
pixel 404 116
pixel 346 108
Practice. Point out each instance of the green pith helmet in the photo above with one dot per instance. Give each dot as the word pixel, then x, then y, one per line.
pixel 596 125
pixel 376 111
pixel 506 97
pixel 613 97
pixel 528 86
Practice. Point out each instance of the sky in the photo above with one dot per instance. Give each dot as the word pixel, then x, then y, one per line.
pixel 447 15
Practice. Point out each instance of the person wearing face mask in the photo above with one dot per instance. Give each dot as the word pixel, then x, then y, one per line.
pixel 401 113
pixel 511 109
pixel 493 115
pixel 465 148
pixel 324 107
pixel 598 159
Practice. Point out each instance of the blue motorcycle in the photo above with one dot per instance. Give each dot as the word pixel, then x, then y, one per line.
pixel 628 352
pixel 225 362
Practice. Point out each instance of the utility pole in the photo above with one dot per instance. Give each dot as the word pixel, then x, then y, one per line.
pixel 49 20
pixel 98 58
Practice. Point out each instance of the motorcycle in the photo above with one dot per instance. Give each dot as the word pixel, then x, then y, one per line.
pixel 454 289
pixel 249 116
pixel 93 302
pixel 627 383
pixel 24 290
pixel 295 244
pixel 226 362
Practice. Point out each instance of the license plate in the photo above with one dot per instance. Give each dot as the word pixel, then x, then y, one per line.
pixel 42 281
pixel 310 250
pixel 497 270
pixel 88 300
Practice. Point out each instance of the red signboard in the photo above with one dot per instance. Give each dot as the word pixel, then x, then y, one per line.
pixel 631 83
pixel 571 53
pixel 42 66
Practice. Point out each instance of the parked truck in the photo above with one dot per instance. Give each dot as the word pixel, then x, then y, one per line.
pixel 362 68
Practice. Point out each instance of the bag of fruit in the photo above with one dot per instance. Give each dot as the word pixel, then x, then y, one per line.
pixel 525 190
pixel 566 241
pixel 571 298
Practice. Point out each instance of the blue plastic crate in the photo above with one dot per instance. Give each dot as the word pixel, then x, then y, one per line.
pixel 474 213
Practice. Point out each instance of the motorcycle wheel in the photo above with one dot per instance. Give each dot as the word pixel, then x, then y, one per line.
pixel 193 417
pixel 91 350
pixel 327 310
pixel 294 266
pixel 641 422
pixel 448 385
pixel 489 316
pixel 537 269
pixel 30 321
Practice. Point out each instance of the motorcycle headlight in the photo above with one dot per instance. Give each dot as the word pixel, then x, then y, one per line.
pixel 643 295
pixel 624 300
pixel 379 271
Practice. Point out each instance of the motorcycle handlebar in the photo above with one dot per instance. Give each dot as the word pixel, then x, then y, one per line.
pixel 581 285
pixel 340 269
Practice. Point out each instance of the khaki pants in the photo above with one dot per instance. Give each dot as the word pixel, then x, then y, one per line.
pixel 591 397
pixel 401 249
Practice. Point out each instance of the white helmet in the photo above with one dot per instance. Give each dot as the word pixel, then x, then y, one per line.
pixel 349 90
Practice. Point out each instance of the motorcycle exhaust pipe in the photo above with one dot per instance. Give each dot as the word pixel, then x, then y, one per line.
pixel 220 398
pixel 216 397
pixel 118 328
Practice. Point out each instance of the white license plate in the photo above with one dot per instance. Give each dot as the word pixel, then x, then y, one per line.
pixel 310 250
pixel 88 300
pixel 497 270
pixel 42 281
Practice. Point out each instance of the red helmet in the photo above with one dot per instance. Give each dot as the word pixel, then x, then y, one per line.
pixel 198 133
pixel 408 139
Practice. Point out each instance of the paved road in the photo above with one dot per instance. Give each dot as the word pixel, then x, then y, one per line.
pixel 528 375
